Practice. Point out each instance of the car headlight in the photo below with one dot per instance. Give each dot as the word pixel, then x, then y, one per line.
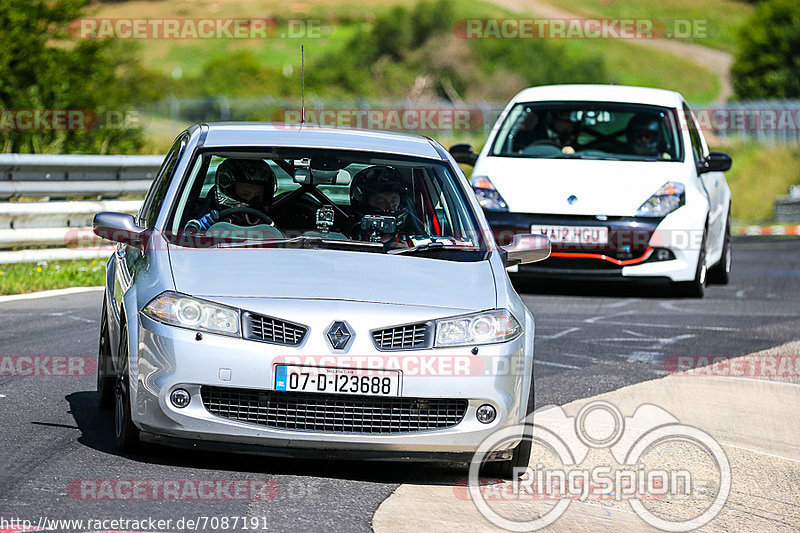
pixel 187 312
pixel 487 194
pixel 487 327
pixel 667 199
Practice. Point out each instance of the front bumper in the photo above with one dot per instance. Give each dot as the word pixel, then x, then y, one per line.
pixel 635 248
pixel 170 358
pixel 322 454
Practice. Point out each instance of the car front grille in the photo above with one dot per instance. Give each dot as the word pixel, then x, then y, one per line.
pixel 404 337
pixel 267 329
pixel 337 413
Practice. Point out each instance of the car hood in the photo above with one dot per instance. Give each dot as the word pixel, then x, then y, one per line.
pixel 333 275
pixel 613 188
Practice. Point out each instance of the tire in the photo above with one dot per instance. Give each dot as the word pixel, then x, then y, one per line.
pixel 125 432
pixel 721 272
pixel 505 469
pixel 105 382
pixel 696 288
pixel 522 453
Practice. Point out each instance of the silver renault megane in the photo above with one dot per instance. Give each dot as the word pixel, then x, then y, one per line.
pixel 307 291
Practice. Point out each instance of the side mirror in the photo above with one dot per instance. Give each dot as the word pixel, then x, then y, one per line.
pixel 118 227
pixel 526 248
pixel 463 153
pixel 715 162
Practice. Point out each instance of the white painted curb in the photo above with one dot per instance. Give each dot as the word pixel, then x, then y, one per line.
pixel 48 294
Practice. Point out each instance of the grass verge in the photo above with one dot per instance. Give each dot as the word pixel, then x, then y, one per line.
pixel 19 278
pixel 758 176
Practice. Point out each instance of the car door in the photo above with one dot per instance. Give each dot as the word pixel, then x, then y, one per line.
pixel 712 184
pixel 127 259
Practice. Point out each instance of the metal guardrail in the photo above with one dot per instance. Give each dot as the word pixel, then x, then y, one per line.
pixel 49 226
pixel 771 122
pixel 787 208
pixel 64 176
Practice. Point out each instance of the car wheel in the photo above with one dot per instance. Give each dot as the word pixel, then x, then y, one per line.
pixel 696 288
pixel 125 432
pixel 505 469
pixel 522 453
pixel 721 272
pixel 105 382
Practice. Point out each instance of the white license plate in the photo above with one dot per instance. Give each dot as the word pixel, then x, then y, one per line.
pixel 573 234
pixel 363 382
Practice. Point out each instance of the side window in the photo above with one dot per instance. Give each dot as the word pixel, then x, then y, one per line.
pixel 155 196
pixel 694 135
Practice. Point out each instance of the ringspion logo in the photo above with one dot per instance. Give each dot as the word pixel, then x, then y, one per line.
pixel 642 467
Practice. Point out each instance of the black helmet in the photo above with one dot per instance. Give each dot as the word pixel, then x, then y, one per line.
pixel 644 133
pixel 376 180
pixel 233 171
pixel 565 124
pixel 566 115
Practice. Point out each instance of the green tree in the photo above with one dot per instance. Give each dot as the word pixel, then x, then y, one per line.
pixel 768 62
pixel 239 73
pixel 404 43
pixel 42 67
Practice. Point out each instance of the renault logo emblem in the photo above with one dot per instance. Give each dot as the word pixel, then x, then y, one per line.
pixel 339 335
pixel 572 199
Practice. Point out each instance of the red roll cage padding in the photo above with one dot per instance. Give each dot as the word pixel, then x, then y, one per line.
pixel 424 198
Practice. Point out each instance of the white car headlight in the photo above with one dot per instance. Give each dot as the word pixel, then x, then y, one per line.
pixel 487 327
pixel 187 312
pixel 667 199
pixel 487 194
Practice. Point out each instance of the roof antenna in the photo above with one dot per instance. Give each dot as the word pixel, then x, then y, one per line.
pixel 303 89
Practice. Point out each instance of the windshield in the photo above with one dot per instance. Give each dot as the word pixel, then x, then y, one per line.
pixel 589 130
pixel 312 198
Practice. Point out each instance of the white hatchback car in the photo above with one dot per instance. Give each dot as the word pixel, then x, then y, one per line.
pixel 620 179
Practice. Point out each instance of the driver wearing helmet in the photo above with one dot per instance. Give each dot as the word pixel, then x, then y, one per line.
pixel 643 134
pixel 562 131
pixel 241 195
pixel 378 195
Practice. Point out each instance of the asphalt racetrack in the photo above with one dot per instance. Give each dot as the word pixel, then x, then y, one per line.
pixel 590 339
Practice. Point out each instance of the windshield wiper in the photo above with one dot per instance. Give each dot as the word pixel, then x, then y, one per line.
pixel 437 245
